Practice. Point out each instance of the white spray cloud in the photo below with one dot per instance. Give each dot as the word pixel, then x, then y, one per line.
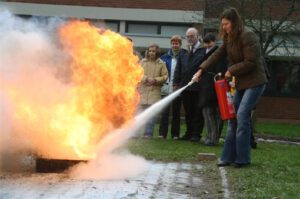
pixel 112 162
pixel 29 58
pixel 29 63
pixel 108 164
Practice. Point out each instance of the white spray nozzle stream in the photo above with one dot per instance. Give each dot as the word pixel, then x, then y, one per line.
pixel 192 81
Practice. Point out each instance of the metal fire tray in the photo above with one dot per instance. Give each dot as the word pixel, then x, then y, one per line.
pixel 44 165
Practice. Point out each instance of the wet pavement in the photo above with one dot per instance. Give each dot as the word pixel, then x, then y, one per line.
pixel 161 180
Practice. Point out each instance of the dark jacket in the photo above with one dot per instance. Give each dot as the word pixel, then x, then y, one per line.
pixel 207 96
pixel 244 58
pixel 187 66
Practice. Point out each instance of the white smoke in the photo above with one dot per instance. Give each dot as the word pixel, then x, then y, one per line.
pixel 30 62
pixel 110 165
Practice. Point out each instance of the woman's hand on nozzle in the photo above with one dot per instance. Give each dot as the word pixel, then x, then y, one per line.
pixel 197 75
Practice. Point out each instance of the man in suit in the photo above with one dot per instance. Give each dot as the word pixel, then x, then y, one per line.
pixel 186 67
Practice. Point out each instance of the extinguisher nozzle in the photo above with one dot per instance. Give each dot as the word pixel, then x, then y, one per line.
pixel 194 79
pixel 190 83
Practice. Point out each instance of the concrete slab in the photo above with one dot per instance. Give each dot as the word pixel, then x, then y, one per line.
pixel 161 180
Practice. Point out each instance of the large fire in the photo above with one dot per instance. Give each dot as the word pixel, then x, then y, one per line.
pixel 101 96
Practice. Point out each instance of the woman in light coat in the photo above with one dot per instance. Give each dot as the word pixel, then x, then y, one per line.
pixel 155 74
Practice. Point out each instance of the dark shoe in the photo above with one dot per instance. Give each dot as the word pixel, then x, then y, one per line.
pixel 195 139
pixel 209 143
pixel 185 137
pixel 241 165
pixel 253 145
pixel 223 164
pixel 147 137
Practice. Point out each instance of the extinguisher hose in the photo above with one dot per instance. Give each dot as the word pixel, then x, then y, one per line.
pixel 218 76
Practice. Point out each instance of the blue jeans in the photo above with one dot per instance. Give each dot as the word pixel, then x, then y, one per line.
pixel 149 126
pixel 236 146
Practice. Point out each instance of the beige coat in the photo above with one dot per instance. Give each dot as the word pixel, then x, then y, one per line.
pixel 244 58
pixel 157 70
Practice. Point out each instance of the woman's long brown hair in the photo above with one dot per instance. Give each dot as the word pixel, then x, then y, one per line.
pixel 234 17
pixel 157 54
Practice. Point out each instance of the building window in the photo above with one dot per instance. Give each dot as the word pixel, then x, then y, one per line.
pixel 161 29
pixel 113 25
pixel 167 30
pixel 137 28
pixel 284 80
pixel 107 24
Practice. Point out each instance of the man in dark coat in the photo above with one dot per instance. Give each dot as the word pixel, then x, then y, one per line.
pixel 186 67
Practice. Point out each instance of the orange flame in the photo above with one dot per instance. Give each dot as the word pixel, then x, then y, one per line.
pixel 103 94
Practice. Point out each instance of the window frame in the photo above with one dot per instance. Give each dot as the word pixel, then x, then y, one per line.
pixel 159 27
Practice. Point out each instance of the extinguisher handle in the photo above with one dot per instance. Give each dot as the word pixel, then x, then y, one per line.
pixel 218 76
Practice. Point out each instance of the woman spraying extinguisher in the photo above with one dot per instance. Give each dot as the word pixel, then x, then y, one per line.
pixel 242 48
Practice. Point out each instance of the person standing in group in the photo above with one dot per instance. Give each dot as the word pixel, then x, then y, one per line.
pixel 186 67
pixel 155 75
pixel 170 58
pixel 242 48
pixel 207 95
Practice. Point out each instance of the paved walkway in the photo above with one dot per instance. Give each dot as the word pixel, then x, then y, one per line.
pixel 278 141
pixel 161 180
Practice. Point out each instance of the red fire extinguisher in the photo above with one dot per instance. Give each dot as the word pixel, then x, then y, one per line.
pixel 225 99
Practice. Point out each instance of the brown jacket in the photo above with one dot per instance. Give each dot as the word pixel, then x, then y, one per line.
pixel 244 58
pixel 158 71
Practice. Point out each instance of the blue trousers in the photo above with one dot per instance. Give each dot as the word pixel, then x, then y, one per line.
pixel 149 127
pixel 236 146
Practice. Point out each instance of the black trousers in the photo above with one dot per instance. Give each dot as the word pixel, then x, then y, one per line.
pixel 175 106
pixel 193 114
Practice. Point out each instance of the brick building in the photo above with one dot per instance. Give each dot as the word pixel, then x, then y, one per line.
pixel 155 21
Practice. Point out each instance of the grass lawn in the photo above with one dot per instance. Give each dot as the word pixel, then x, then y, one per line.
pixel 278 129
pixel 275 169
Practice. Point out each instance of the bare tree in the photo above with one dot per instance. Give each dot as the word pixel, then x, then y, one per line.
pixel 276 23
